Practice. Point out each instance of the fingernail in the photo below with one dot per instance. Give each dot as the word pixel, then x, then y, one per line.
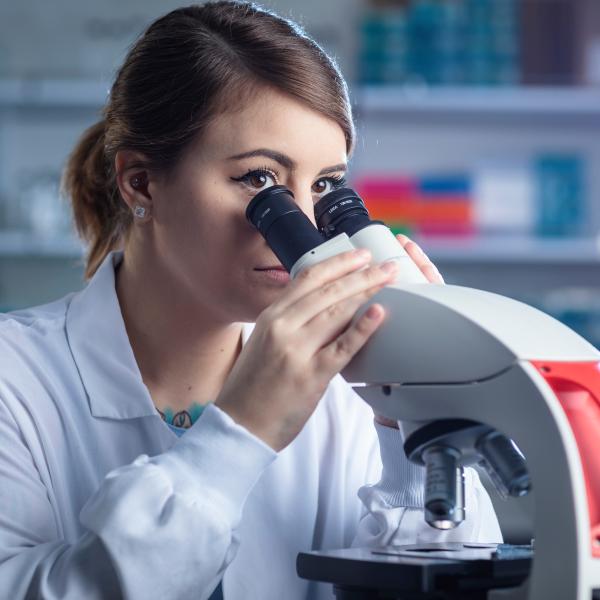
pixel 373 312
pixel 389 267
pixel 362 254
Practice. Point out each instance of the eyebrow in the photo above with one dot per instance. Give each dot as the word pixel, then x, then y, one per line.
pixel 284 160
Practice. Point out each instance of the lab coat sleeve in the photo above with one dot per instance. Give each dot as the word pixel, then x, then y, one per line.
pixel 394 507
pixel 162 527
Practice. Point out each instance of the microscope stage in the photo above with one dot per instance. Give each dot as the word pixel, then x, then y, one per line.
pixel 446 570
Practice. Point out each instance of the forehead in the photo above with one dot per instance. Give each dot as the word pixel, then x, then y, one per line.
pixel 273 120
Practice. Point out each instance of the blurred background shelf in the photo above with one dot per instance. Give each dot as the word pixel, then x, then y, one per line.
pixel 519 102
pixel 505 249
pixel 46 93
pixel 14 244
pixel 477 249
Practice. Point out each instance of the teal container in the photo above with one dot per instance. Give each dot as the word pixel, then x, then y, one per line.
pixel 383 48
pixel 560 195
pixel 441 42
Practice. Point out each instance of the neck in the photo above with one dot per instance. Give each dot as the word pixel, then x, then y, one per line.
pixel 184 353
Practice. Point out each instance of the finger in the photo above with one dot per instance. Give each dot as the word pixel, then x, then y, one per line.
pixel 328 299
pixel 413 250
pixel 336 355
pixel 385 421
pixel 432 274
pixel 403 239
pixel 329 324
pixel 318 275
pixel 420 259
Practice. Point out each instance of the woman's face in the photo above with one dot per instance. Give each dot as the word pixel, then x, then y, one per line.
pixel 213 255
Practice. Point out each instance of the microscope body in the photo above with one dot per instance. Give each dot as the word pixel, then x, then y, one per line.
pixel 449 352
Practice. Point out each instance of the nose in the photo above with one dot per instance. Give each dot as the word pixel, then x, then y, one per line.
pixel 304 199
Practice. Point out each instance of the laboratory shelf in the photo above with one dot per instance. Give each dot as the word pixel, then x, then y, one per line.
pixel 23 243
pixel 512 249
pixel 477 249
pixel 519 101
pixel 59 93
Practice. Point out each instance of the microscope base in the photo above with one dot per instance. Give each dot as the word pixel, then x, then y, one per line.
pixel 449 571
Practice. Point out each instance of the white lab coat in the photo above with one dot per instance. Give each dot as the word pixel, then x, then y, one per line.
pixel 100 499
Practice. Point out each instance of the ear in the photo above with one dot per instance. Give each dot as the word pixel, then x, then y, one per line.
pixel 133 180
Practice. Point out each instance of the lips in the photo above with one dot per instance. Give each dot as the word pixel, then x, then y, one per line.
pixel 274 268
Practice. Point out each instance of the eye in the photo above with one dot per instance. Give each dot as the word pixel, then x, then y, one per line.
pixel 328 184
pixel 258 179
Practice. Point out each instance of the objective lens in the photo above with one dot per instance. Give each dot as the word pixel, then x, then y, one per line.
pixel 287 230
pixel 504 463
pixel 444 487
pixel 341 211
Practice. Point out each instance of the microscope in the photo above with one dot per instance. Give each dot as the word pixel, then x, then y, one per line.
pixel 472 378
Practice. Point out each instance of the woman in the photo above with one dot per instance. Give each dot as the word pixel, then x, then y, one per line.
pixel 101 496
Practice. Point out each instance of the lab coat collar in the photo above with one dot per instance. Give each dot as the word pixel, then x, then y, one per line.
pixel 102 352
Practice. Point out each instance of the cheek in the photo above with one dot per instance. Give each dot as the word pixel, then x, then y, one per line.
pixel 225 239
pixel 209 220
pixel 202 213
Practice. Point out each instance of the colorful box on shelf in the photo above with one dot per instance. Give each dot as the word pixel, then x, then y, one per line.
pixel 560 194
pixel 543 196
pixel 439 205
pixel 473 42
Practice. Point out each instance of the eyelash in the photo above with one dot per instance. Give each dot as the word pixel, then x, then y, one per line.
pixel 337 181
pixel 260 171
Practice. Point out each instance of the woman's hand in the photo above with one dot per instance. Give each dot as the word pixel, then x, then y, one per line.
pixel 420 259
pixel 433 276
pixel 300 342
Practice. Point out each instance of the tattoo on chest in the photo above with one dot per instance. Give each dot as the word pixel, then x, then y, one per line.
pixel 182 418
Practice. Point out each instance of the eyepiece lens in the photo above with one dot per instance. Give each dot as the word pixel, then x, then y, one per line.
pixel 287 230
pixel 261 211
pixel 341 211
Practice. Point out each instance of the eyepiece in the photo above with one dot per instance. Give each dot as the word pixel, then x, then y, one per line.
pixel 341 211
pixel 287 230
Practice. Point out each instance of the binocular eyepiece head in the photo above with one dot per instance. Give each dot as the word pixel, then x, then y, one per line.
pixel 291 234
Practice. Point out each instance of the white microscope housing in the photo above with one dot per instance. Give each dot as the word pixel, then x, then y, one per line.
pixel 447 353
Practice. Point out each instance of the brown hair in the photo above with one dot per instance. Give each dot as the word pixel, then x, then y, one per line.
pixel 186 68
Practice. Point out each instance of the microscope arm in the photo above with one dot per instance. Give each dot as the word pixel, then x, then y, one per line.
pixel 448 352
pixel 453 353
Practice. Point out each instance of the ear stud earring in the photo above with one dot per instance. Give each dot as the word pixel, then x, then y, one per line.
pixel 139 211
